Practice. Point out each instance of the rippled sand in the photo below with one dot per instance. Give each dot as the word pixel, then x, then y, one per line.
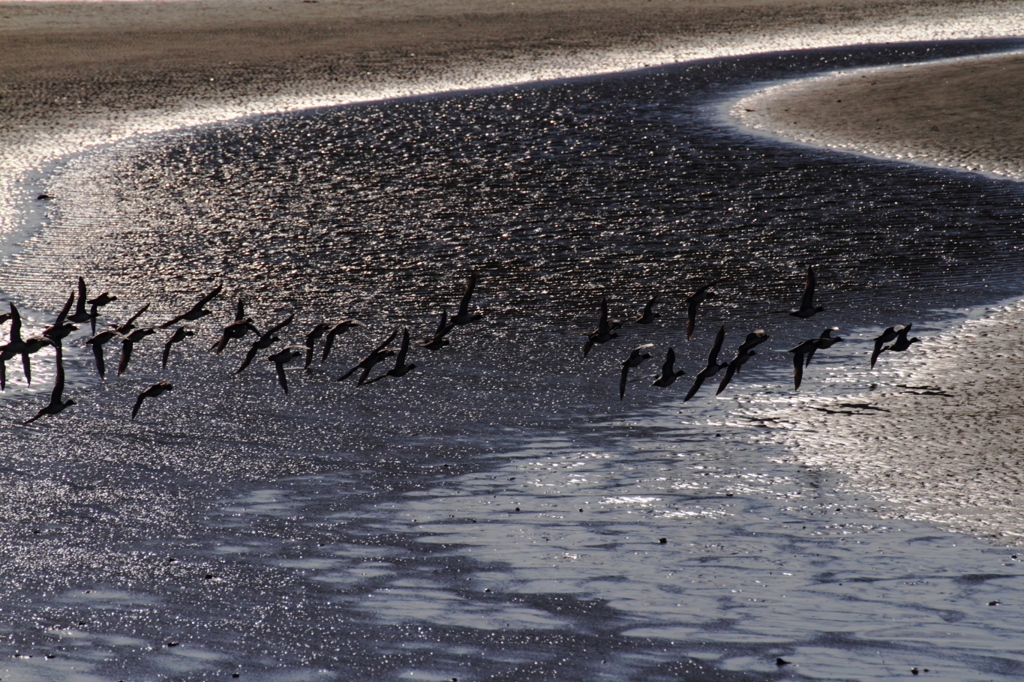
pixel 962 113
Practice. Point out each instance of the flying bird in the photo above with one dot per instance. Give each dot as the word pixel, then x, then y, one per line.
pixel 60 329
pixel 605 331
pixel 97 342
pixel 375 356
pixel 151 392
pixel 807 307
pixel 668 374
pixel 401 368
pixel 128 326
pixel 799 351
pixel 179 335
pixel 693 304
pixel 282 358
pixel 311 338
pixel 902 343
pixel 635 358
pixel 237 329
pixel 336 331
pixel 648 315
pixel 885 337
pixel 713 366
pixel 266 340
pixel 438 340
pixel 743 353
pixel 57 403
pixel 95 305
pixel 197 311
pixel 81 314
pixel 464 316
pixel 826 340
pixel 128 343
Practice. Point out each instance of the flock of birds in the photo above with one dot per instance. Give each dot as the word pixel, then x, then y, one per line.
pixel 802 352
pixel 53 335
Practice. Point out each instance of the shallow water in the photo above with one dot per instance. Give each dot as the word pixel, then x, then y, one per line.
pixel 497 513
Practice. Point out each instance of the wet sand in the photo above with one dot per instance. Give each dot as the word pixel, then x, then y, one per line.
pixel 962 113
pixel 953 411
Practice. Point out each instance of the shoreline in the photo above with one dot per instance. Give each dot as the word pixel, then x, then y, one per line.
pixel 130 68
pixel 961 113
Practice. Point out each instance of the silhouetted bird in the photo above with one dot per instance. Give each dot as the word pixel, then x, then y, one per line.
pixel 605 331
pixel 375 356
pixel 81 314
pixel 401 368
pixel 886 336
pixel 648 315
pixel 128 344
pixel 57 403
pixel 902 343
pixel 464 316
pixel 197 311
pixel 799 351
pixel 128 326
pixel 237 329
pixel 438 340
pixel 60 329
pixel 151 392
pixel 713 366
pixel 807 307
pixel 97 349
pixel 94 307
pixel 311 338
pixel 635 358
pixel 668 374
pixel 693 304
pixel 266 340
pixel 282 358
pixel 179 335
pixel 338 330
pixel 826 340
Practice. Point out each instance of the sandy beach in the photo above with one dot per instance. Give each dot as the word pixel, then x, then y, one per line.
pixel 962 113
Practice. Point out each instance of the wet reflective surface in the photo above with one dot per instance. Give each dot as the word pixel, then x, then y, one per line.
pixel 430 527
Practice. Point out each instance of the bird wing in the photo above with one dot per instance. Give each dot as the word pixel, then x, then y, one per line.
pixel 281 377
pixel 249 357
pixel 56 397
pixel 588 345
pixel 64 311
pixel 80 304
pixel 694 388
pixel 691 316
pixel 729 372
pixel 126 355
pixel 138 403
pixel 101 367
pixel 622 380
pixel 470 286
pixel 808 299
pixel 400 358
pixel 281 325
pixel 15 325
pixel 26 365
pixel 716 347
pixel 798 369
pixel 385 343
pixel 602 323
pixel 209 297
